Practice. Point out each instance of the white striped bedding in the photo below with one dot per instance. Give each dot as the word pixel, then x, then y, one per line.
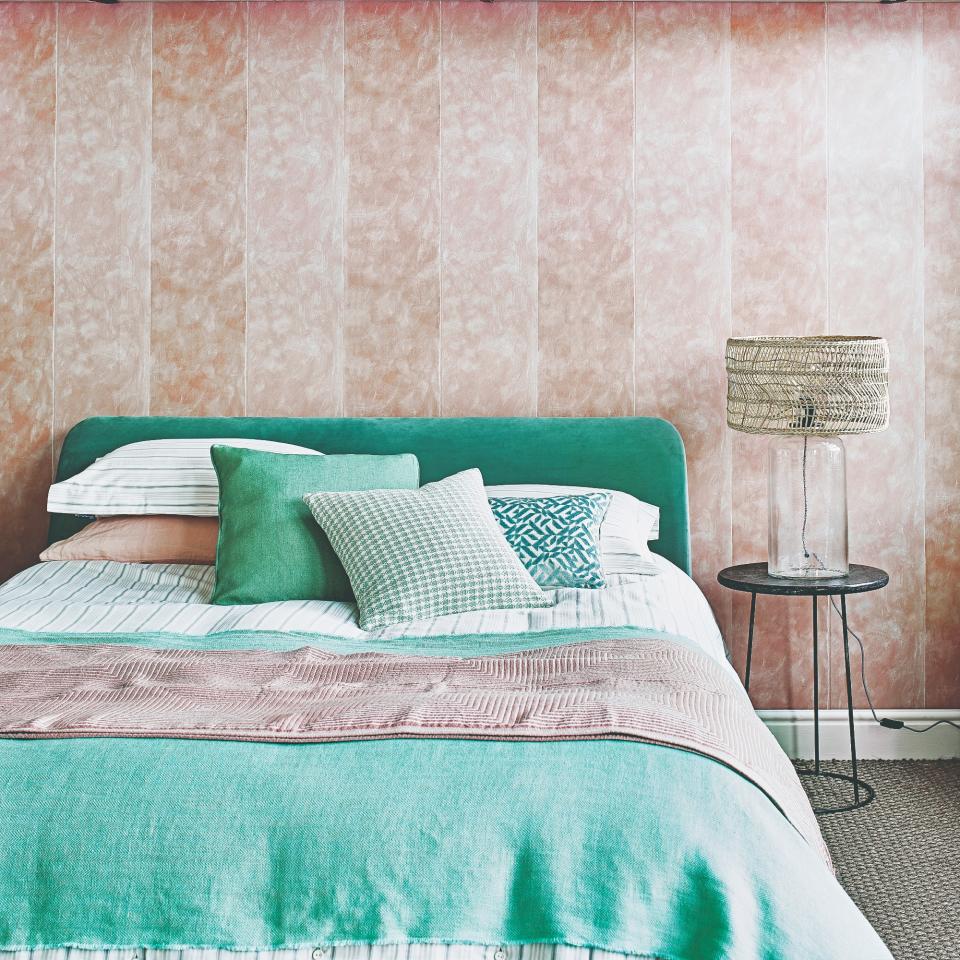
pixel 75 596
pixel 100 596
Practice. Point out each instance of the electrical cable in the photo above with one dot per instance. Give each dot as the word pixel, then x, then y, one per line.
pixel 887 722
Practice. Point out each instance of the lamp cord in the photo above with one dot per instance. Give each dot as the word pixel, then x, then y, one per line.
pixel 887 722
pixel 803 480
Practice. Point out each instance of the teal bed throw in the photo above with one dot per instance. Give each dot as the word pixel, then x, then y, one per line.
pixel 616 845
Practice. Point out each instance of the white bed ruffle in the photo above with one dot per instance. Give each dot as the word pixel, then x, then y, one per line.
pixel 409 951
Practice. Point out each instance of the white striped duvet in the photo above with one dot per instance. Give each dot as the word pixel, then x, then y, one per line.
pixel 98 596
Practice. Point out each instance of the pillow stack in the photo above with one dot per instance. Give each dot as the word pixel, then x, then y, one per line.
pixel 286 523
pixel 158 502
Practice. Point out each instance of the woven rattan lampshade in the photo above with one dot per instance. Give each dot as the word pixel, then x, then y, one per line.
pixel 824 386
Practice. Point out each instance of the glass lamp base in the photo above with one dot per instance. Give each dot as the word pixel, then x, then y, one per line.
pixel 801 572
pixel 808 508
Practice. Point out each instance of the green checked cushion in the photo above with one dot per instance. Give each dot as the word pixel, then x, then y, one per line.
pixel 556 538
pixel 412 554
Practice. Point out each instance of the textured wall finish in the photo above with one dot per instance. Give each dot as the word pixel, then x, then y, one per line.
pixel 471 209
pixel 198 275
pixel 102 211
pixel 586 209
pixel 294 237
pixel 682 253
pixel 941 314
pixel 28 49
pixel 391 331
pixel 488 350
pixel 875 138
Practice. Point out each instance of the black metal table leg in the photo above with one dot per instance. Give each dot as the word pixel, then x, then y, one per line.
pixel 853 734
pixel 816 692
pixel 753 614
pixel 859 786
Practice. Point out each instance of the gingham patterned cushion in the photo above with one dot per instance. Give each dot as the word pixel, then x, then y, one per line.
pixel 556 538
pixel 412 554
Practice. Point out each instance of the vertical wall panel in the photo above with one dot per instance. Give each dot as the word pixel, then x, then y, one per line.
pixel 489 230
pixel 683 254
pixel 392 316
pixel 778 279
pixel 295 192
pixel 876 287
pixel 27 108
pixel 941 112
pixel 199 144
pixel 103 212
pixel 586 319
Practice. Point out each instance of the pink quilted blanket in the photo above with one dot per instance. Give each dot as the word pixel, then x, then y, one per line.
pixel 655 691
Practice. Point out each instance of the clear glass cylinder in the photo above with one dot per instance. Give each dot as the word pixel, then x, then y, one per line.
pixel 807 499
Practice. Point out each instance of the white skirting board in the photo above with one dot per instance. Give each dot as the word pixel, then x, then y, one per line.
pixel 794 732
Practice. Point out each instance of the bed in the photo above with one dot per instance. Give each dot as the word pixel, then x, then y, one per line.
pixel 486 848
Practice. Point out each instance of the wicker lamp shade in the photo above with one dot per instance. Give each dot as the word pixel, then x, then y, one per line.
pixel 807 386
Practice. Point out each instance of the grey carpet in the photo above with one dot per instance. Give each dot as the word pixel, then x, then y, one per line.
pixel 899 857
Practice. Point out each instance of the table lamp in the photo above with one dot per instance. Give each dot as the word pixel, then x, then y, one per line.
pixel 805 392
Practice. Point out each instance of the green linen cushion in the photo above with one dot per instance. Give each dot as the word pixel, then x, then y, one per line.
pixel 430 552
pixel 269 547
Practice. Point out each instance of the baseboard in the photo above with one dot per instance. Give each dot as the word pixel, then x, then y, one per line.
pixel 794 732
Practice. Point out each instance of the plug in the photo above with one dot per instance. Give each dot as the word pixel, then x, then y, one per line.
pixel 891 724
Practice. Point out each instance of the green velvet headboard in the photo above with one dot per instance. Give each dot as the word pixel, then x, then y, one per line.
pixel 639 455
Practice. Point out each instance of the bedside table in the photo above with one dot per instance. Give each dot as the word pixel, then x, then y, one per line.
pixel 753 578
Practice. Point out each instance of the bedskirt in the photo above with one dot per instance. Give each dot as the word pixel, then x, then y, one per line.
pixel 399 951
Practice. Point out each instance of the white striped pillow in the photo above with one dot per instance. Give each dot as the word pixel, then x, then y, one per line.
pixel 152 477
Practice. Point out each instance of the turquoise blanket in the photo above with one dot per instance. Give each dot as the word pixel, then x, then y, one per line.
pixel 610 844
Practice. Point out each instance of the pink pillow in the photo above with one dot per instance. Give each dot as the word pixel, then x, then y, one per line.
pixel 150 539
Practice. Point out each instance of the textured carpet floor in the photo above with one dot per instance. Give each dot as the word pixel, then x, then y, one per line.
pixel 899 857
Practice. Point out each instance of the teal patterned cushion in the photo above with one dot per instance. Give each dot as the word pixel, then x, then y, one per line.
pixel 556 538
pixel 411 554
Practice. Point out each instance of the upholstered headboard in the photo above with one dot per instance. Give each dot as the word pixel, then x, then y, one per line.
pixel 639 455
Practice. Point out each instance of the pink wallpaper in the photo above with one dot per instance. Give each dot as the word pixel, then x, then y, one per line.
pixel 513 208
pixel 28 65
pixel 488 242
pixel 941 338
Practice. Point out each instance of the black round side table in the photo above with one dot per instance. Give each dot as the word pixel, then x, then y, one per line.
pixel 753 578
